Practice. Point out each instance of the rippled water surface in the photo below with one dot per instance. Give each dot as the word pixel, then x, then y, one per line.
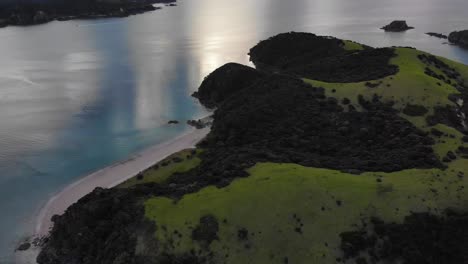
pixel 77 96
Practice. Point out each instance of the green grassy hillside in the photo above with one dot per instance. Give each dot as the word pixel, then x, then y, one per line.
pixel 294 214
pixel 297 213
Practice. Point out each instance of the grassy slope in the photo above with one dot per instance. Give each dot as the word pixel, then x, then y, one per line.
pixel 351 45
pixel 265 203
pixel 160 173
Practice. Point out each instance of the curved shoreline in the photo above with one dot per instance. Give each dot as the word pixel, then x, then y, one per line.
pixel 32 14
pixel 107 177
pixel 113 175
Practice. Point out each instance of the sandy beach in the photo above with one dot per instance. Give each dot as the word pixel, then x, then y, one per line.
pixel 107 178
pixel 113 175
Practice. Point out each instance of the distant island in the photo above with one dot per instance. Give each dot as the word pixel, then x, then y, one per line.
pixel 24 13
pixel 328 151
pixel 397 26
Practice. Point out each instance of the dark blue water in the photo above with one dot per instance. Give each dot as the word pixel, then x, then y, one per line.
pixel 77 96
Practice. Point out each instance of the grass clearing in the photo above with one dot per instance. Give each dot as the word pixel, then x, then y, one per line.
pixel 410 86
pixel 351 45
pixel 450 141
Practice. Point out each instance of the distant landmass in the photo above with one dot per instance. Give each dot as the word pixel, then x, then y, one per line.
pixel 459 38
pixel 328 151
pixel 24 13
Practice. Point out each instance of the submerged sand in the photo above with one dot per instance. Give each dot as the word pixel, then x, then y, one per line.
pixel 113 175
pixel 106 178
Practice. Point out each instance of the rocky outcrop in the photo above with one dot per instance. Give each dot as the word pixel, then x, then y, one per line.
pixel 459 38
pixel 198 124
pixel 437 35
pixel 397 26
pixel 23 246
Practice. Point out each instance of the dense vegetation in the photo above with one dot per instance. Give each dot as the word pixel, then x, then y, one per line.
pixel 282 119
pixel 320 58
pixel 421 238
pixel 297 168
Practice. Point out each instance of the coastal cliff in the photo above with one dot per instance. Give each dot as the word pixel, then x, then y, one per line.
pixel 319 155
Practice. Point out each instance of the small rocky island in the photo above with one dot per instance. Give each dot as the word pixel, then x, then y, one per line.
pixel 328 151
pixel 459 38
pixel 437 35
pixel 30 12
pixel 397 26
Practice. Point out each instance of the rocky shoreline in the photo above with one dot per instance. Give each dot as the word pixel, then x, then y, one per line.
pixel 27 14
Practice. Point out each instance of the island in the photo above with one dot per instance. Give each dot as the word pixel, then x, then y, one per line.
pixel 397 26
pixel 459 38
pixel 328 151
pixel 24 13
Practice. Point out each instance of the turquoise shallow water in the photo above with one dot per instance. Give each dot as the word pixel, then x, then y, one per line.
pixel 77 96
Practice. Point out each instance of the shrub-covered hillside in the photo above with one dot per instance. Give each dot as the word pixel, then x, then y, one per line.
pixel 329 152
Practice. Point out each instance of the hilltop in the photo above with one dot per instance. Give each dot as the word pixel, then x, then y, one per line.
pixel 328 151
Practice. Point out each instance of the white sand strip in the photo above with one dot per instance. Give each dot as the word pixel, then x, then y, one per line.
pixel 113 175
